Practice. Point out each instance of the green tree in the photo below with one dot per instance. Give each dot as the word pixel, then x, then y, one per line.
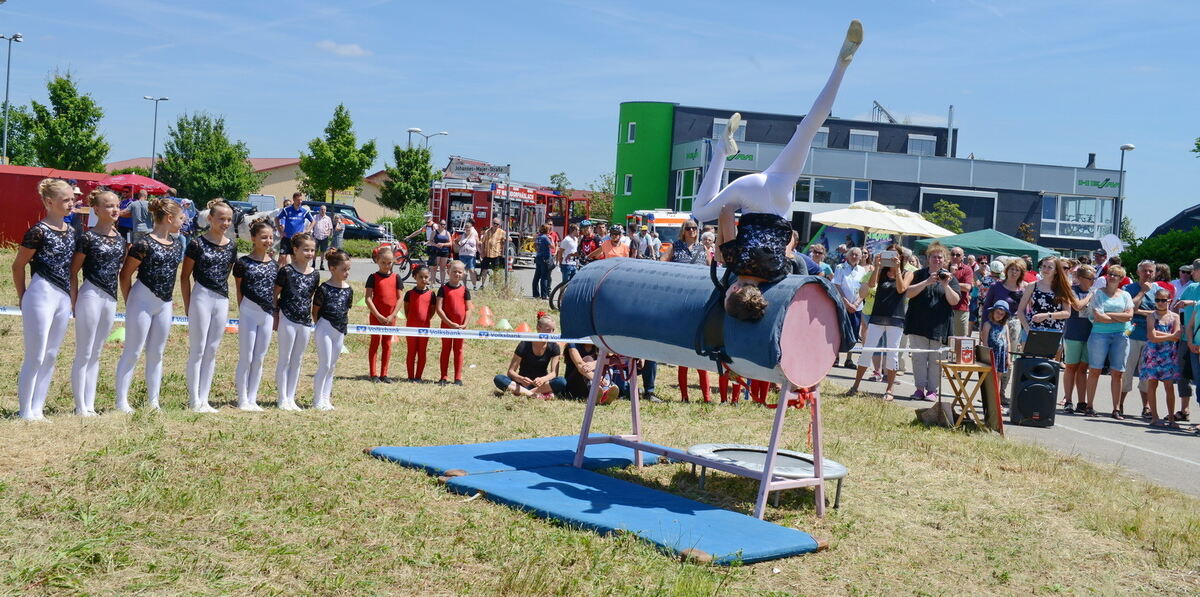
pixel 408 181
pixel 1025 232
pixel 1128 234
pixel 131 170
pixel 948 215
pixel 602 190
pixel 20 136
pixel 1196 148
pixel 336 162
pixel 1175 248
pixel 66 134
pixel 202 163
pixel 560 183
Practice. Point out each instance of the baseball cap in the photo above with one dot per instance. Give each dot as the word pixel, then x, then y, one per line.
pixel 1186 268
pixel 1100 252
pixel 644 228
pixel 428 215
pixel 996 267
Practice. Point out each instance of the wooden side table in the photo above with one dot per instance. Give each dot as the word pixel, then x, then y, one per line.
pixel 967 382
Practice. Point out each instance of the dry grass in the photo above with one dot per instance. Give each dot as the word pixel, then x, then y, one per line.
pixel 285 503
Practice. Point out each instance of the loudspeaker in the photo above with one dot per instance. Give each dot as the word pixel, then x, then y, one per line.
pixel 802 224
pixel 1035 392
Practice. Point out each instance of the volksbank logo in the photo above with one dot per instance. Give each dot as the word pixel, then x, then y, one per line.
pixel 692 155
pixel 1107 183
pixel 749 157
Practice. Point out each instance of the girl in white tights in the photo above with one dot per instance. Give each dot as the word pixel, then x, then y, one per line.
pixel 155 257
pixel 255 274
pixel 331 307
pixel 756 251
pixel 208 261
pixel 294 287
pixel 46 302
pixel 99 253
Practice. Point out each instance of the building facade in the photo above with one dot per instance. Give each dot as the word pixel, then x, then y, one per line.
pixel 663 150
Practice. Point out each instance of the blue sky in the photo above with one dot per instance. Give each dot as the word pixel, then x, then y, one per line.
pixel 537 84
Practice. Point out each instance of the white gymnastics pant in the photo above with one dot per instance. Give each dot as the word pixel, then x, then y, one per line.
pixel 885 336
pixel 770 191
pixel 95 311
pixel 293 340
pixel 45 313
pixel 329 347
pixel 254 336
pixel 208 314
pixel 147 324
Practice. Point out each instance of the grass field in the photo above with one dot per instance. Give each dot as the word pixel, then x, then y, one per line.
pixel 286 503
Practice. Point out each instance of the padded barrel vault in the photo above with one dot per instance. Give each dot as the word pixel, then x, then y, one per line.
pixel 654 310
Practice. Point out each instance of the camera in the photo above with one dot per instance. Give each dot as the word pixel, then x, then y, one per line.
pixel 943 275
pixel 889 259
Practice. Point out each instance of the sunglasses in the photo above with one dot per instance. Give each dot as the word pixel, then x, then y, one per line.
pixel 1158 300
pixel 690 228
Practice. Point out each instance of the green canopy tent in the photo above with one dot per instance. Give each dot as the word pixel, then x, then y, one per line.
pixel 990 242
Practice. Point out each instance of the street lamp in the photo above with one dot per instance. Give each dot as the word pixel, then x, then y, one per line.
pixel 428 136
pixel 1120 215
pixel 154 137
pixel 17 37
pixel 410 132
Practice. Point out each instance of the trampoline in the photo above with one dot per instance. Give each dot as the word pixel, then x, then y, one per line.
pixel 788 464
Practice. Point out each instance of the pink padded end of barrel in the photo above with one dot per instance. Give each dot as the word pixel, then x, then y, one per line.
pixel 810 337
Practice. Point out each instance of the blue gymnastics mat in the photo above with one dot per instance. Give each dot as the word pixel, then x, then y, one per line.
pixel 601 503
pixel 515 454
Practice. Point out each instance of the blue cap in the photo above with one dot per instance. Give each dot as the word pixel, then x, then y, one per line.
pixel 1001 305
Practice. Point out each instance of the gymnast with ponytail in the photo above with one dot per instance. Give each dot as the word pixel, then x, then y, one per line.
pixel 331 308
pixel 45 302
pixel 754 247
pixel 294 288
pixel 99 254
pixel 148 301
pixel 207 262
pixel 255 275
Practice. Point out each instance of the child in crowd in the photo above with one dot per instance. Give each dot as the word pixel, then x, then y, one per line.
pixel 1160 357
pixel 294 286
pixel 207 262
pixel 452 307
pixel 99 253
pixel 994 332
pixel 382 297
pixel 753 246
pixel 331 308
pixel 47 248
pixel 255 275
pixel 418 313
pixel 148 307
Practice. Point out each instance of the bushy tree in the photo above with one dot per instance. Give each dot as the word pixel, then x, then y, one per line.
pixel 20 136
pixel 409 179
pixel 1175 248
pixel 336 162
pixel 202 163
pixel 131 170
pixel 601 201
pixel 948 215
pixel 1128 233
pixel 66 133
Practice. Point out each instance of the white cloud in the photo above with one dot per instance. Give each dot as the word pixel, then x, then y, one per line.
pixel 346 50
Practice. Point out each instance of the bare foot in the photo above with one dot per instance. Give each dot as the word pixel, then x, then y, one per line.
pixel 854 38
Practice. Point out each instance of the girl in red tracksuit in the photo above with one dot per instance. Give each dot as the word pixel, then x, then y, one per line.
pixel 418 313
pixel 382 296
pixel 453 306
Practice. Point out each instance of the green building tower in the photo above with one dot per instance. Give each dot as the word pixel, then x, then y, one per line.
pixel 643 170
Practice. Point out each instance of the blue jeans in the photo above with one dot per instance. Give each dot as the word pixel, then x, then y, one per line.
pixel 558 385
pixel 568 271
pixel 541 277
pixel 649 374
pixel 1112 347
pixel 468 261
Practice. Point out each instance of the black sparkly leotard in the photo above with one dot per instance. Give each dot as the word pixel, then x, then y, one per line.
pixel 159 264
pixel 333 304
pixel 102 259
pixel 257 280
pixel 760 248
pixel 53 250
pixel 296 296
pixel 212 264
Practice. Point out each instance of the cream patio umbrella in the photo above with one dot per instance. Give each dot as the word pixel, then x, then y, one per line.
pixel 867 216
pixel 920 225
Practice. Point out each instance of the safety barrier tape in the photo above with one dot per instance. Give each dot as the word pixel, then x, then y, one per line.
pixel 387 330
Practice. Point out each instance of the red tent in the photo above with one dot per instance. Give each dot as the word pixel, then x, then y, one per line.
pixel 135 182
pixel 19 198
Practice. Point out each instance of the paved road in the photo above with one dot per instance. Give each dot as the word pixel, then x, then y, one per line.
pixel 361 268
pixel 1169 458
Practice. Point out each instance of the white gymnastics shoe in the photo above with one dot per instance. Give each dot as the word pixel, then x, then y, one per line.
pixel 735 122
pixel 854 38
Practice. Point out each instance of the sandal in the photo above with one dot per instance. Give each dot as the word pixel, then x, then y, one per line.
pixel 1173 425
pixel 1146 414
pixel 1181 415
pixel 1118 415
pixel 888 397
pixel 1090 412
pixel 1159 424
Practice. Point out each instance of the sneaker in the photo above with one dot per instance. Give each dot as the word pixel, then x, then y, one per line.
pixel 374 379
pixel 385 379
pixel 652 397
pixel 931 396
pixel 609 395
pixel 1081 408
pixel 918 394
pixel 848 364
pixel 1090 412
pixel 442 382
pixel 458 382
pixel 1146 413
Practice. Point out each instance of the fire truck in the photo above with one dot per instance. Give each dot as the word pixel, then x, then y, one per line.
pixel 668 224
pixel 528 207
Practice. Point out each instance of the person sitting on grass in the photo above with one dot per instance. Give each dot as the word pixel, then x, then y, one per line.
pixel 534 367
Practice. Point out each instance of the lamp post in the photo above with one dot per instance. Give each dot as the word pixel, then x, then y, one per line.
pixel 17 37
pixel 428 136
pixel 1120 215
pixel 154 137
pixel 410 132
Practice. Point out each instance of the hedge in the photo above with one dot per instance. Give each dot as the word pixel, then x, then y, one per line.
pixel 1175 248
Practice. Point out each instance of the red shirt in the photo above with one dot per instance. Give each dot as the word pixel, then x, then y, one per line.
pixel 418 308
pixel 964 275
pixel 385 290
pixel 1030 276
pixel 454 303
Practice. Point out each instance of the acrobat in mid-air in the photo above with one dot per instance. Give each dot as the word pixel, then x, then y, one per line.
pixel 756 250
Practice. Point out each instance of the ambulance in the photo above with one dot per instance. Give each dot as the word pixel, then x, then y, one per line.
pixel 668 224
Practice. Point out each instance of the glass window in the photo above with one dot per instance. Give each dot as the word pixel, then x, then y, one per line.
pixel 921 145
pixel 628 184
pixel 803 190
pixel 831 190
pixel 1078 217
pixel 686 183
pixel 822 138
pixel 1049 207
pixel 862 190
pixel 1049 228
pixel 863 140
pixel 719 125
pixel 631 132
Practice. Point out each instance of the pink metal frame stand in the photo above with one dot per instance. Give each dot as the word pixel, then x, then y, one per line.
pixel 767 481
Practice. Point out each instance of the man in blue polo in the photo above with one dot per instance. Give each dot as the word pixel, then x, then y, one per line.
pixel 292 220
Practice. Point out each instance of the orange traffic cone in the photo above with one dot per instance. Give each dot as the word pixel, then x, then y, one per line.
pixel 523 327
pixel 485 319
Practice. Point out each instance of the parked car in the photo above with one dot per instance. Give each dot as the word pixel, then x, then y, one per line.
pixel 358 229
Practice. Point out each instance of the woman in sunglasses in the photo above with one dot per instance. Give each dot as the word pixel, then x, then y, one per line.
pixel 688 249
pixel 1160 359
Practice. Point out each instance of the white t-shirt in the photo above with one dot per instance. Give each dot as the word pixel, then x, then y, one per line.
pixel 848 279
pixel 569 247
